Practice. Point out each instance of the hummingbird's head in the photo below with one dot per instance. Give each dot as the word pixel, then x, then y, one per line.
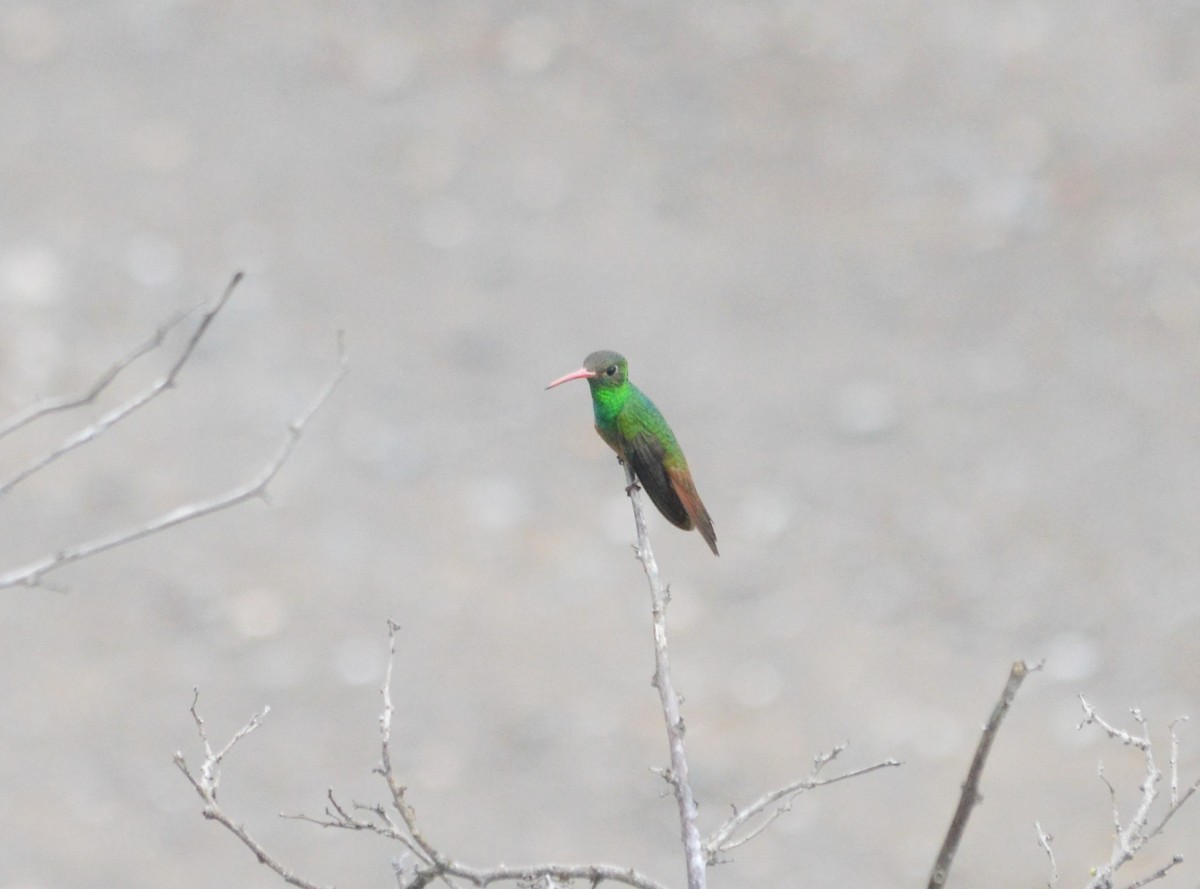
pixel 606 369
pixel 602 370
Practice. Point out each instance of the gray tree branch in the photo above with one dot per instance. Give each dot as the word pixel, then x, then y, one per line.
pixel 970 797
pixel 205 780
pixel 59 403
pixel 32 573
pixel 1131 837
pixel 396 821
pixel 677 774
pixel 726 837
pixel 121 411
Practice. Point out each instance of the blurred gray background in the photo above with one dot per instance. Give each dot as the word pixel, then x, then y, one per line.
pixel 915 283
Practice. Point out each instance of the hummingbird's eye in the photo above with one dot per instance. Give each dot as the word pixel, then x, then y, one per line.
pixel 612 370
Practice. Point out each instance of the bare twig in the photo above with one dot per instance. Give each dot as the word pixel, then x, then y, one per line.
pixel 1129 838
pixel 701 854
pixel 110 419
pixel 1091 717
pixel 1157 875
pixel 208 776
pixel 723 839
pixel 1175 759
pixel 595 874
pixel 67 402
pixel 1177 801
pixel 434 865
pixel 422 863
pixel 339 817
pixel 1044 840
pixel 970 797
pixel 32 573
pixel 677 775
pixel 210 772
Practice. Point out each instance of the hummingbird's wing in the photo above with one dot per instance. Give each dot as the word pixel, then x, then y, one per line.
pixel 658 462
pixel 646 456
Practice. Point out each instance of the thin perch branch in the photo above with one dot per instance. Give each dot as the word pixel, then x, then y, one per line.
pixel 31 574
pixel 970 790
pixel 1157 875
pixel 434 865
pixel 430 865
pixel 66 402
pixel 1130 838
pixel 723 840
pixel 677 775
pixel 1177 800
pixel 208 776
pixel 106 422
pixel 1044 840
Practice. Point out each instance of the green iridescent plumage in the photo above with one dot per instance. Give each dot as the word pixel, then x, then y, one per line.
pixel 633 427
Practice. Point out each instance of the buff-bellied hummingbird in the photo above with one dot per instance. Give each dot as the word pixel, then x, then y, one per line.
pixel 633 427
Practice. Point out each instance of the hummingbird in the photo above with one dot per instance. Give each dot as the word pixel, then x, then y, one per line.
pixel 632 426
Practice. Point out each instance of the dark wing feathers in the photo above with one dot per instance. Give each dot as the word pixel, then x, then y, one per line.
pixel 645 454
pixel 665 479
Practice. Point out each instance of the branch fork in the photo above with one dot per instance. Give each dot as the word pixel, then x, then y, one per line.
pixel 32 574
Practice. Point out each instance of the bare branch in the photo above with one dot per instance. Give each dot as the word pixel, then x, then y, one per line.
pixel 1130 838
pixel 1175 759
pixel 338 817
pixel 210 772
pixel 970 790
pixel 678 774
pixel 723 840
pixel 1044 840
pixel 110 419
pixel 1157 875
pixel 595 874
pixel 208 776
pixel 66 402
pixel 1177 801
pixel 422 863
pixel 1091 717
pixel 434 865
pixel 1174 808
pixel 32 573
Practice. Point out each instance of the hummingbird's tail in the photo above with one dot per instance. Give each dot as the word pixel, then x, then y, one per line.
pixel 686 509
pixel 686 491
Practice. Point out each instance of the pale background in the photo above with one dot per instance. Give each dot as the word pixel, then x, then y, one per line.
pixel 915 283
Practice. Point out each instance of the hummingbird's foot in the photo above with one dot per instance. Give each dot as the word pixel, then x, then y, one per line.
pixel 629 489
